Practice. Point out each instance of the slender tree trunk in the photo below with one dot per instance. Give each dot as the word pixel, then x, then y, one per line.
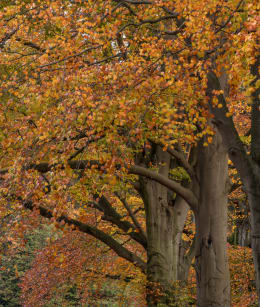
pixel 212 271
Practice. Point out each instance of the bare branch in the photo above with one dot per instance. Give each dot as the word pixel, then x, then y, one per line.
pixel 31 44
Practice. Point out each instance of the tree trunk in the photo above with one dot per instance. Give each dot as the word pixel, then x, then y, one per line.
pixel 254 203
pixel 248 166
pixel 241 235
pixel 162 250
pixel 164 225
pixel 212 272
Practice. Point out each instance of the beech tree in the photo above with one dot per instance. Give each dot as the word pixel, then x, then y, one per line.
pixel 107 96
pixel 246 163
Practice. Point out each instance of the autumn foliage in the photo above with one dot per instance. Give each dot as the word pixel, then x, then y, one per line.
pixel 87 89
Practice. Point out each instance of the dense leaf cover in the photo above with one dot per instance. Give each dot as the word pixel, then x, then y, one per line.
pixel 87 86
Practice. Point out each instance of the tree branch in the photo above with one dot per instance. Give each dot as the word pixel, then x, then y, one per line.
pixel 134 2
pixel 131 214
pixel 146 21
pixel 230 17
pixel 182 160
pixel 90 230
pixel 110 214
pixel 185 193
pixel 180 157
pixel 7 37
pixel 45 167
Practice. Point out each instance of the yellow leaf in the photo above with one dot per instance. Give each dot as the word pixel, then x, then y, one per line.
pixel 112 180
pixel 42 137
pixel 61 258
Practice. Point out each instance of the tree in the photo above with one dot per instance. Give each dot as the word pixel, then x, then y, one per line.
pixel 247 164
pixel 121 82
pixel 15 261
pixel 65 273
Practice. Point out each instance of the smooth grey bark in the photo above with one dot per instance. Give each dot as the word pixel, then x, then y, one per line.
pixel 165 264
pixel 213 285
pixel 248 165
pixel 161 252
pixel 162 257
pixel 164 226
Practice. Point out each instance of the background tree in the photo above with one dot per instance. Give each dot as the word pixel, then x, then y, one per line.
pixel 15 261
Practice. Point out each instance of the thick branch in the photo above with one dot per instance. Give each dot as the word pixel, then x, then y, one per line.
pixel 146 21
pixel 230 17
pixel 96 233
pixel 131 214
pixel 180 157
pixel 31 44
pixel 73 164
pixel 110 214
pixel 182 160
pixel 185 193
